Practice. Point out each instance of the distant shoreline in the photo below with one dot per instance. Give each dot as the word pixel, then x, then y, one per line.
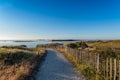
pixel 24 41
pixel 65 40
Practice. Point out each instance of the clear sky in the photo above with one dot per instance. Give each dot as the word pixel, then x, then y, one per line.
pixel 73 19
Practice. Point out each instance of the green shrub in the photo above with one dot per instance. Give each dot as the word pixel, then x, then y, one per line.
pixel 89 72
pixel 19 73
pixel 82 45
pixel 72 45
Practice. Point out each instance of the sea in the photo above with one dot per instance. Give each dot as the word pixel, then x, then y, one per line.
pixel 29 44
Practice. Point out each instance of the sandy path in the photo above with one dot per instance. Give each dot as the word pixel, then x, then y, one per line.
pixel 56 67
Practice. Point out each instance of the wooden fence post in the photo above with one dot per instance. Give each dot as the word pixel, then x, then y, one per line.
pixel 76 55
pixel 70 51
pixel 107 69
pixel 114 69
pixel 95 61
pixel 89 59
pixel 119 69
pixel 97 67
pixel 81 56
pixel 110 68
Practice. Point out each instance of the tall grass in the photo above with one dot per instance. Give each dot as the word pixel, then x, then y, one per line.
pixel 17 63
pixel 105 49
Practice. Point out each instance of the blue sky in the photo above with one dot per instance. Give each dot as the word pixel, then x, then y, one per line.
pixel 59 19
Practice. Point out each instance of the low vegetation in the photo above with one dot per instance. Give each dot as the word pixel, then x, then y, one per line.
pixel 18 62
pixel 106 48
pixel 96 60
pixel 77 45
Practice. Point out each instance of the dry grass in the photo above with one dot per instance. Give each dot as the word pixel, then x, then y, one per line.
pixel 17 64
pixel 113 44
pixel 106 48
pixel 87 72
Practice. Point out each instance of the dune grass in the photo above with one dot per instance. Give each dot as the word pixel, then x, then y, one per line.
pixel 17 63
pixel 106 49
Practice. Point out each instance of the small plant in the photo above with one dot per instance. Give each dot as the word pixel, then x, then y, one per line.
pixel 72 45
pixel 19 73
pixel 89 72
pixel 17 63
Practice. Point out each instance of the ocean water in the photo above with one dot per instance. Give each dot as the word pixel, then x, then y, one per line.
pixel 31 44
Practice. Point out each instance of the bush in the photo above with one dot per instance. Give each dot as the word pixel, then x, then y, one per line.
pixel 17 64
pixel 89 72
pixel 72 45
pixel 77 45
pixel 81 44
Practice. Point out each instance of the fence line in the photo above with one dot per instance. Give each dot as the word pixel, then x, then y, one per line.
pixel 108 68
